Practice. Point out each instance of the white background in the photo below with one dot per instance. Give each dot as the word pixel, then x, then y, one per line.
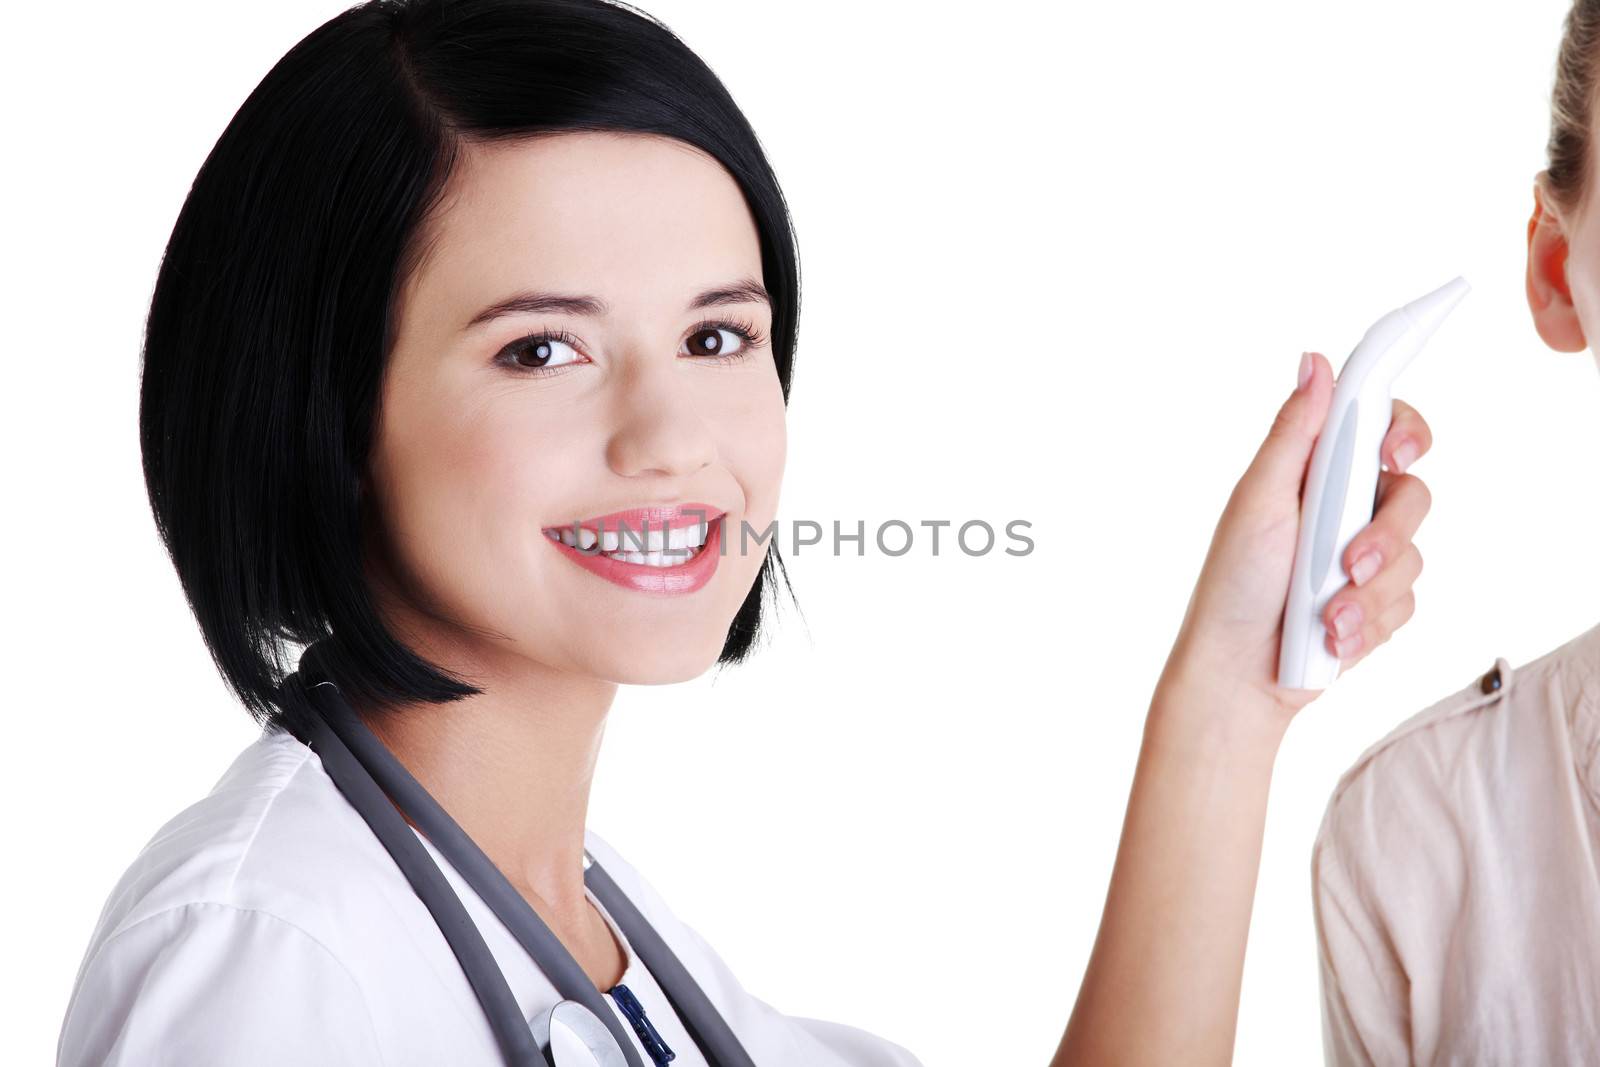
pixel 1059 264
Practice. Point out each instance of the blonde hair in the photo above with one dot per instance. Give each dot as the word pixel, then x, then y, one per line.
pixel 1566 178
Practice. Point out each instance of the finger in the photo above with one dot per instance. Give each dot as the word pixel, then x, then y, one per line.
pixel 1368 607
pixel 1279 466
pixel 1403 502
pixel 1372 599
pixel 1395 616
pixel 1407 439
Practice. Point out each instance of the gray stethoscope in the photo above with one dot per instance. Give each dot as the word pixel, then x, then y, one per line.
pixel 581 1030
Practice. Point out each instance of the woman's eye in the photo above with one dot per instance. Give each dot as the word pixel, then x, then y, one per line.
pixel 715 341
pixel 546 352
pixel 536 353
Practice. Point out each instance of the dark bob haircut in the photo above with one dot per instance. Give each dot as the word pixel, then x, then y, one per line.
pixel 271 318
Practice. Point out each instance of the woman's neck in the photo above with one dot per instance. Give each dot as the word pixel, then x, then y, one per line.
pixel 512 766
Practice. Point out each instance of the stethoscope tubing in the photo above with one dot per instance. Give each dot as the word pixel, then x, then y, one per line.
pixel 511 1031
pixel 377 784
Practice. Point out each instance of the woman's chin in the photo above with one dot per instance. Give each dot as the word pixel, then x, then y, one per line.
pixel 662 666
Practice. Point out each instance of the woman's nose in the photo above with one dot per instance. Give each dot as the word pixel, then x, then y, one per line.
pixel 659 429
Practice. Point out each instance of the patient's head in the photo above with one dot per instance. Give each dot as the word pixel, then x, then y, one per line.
pixel 1563 279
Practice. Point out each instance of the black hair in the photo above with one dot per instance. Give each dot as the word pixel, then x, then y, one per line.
pixel 272 314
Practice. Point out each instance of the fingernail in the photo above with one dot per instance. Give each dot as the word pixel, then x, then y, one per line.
pixel 1365 568
pixel 1349 646
pixel 1404 454
pixel 1345 620
pixel 1305 371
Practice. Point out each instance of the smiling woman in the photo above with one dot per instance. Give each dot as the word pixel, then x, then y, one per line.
pixel 603 388
pixel 465 375
pixel 475 328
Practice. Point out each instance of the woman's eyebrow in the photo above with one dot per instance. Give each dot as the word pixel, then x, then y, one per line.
pixel 743 291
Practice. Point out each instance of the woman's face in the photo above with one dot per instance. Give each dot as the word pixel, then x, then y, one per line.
pixel 634 389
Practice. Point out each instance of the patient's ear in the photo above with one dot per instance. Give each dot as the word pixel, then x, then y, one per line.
pixel 1549 294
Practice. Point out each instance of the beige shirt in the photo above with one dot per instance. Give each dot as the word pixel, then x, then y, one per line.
pixel 1457 891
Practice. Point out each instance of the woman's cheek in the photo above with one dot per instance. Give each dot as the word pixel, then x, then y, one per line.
pixel 461 515
pixel 761 445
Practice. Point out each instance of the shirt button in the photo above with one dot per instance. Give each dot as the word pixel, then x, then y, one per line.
pixel 1491 681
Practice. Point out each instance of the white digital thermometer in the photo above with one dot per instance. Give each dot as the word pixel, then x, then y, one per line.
pixel 1341 487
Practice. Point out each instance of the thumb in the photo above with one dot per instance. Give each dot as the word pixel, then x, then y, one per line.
pixel 1279 467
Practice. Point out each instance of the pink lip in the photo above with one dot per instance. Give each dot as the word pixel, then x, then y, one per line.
pixel 672 517
pixel 677 580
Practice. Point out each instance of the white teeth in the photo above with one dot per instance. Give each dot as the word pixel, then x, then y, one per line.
pixel 661 548
pixel 654 559
pixel 654 539
pixel 583 538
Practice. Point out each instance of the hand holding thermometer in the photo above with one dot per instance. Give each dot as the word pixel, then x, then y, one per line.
pixel 1339 499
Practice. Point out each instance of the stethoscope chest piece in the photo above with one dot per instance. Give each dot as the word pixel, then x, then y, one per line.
pixel 573 1036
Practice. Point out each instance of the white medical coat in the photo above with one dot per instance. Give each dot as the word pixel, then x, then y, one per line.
pixel 265 925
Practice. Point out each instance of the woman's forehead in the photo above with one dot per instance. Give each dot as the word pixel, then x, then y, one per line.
pixel 566 208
